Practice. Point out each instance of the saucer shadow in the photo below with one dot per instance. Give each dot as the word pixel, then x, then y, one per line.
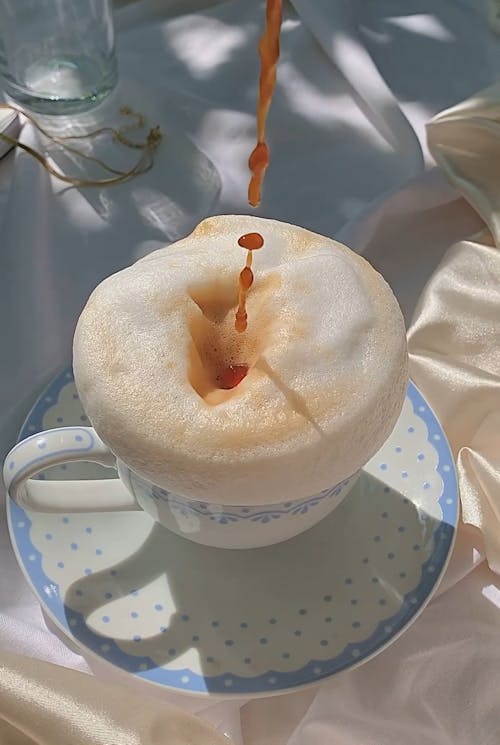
pixel 361 574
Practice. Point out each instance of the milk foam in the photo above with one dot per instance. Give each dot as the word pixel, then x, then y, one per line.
pixel 325 346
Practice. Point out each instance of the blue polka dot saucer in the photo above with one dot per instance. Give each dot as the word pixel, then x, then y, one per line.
pixel 252 622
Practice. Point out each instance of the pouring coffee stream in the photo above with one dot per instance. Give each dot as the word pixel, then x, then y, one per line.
pixel 269 50
pixel 250 241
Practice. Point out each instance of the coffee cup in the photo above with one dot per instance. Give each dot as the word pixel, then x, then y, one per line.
pixel 237 413
pixel 222 526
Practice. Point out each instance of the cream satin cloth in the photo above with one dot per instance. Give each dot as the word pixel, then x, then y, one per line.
pixel 44 704
pixel 454 339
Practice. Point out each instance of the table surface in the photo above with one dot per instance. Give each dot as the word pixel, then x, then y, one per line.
pixel 357 82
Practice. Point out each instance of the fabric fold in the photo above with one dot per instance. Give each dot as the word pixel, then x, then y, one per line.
pixel 454 338
pixel 44 704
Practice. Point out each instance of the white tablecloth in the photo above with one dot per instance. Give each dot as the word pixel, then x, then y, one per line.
pixel 357 81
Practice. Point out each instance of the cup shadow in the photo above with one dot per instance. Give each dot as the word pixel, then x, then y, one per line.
pixel 359 576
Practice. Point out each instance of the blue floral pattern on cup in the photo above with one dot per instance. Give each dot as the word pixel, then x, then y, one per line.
pixel 231 514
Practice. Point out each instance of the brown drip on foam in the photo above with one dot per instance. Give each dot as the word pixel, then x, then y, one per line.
pixel 232 375
pixel 250 241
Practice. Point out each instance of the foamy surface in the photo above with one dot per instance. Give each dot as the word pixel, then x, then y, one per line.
pixel 325 344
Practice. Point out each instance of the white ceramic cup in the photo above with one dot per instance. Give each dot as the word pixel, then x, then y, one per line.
pixel 222 526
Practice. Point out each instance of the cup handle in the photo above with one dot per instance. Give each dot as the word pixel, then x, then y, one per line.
pixel 54 447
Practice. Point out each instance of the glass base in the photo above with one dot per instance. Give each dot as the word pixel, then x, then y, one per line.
pixel 63 85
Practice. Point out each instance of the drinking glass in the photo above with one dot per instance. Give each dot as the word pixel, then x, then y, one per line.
pixel 57 56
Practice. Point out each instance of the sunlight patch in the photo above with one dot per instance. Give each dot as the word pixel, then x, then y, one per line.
pixel 424 25
pixel 205 48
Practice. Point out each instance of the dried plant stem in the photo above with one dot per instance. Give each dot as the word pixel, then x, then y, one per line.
pixel 145 162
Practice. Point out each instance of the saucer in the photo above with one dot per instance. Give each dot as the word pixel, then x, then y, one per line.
pixel 247 623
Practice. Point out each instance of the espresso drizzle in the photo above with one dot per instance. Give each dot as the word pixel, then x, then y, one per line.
pixel 232 375
pixel 250 241
pixel 269 50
